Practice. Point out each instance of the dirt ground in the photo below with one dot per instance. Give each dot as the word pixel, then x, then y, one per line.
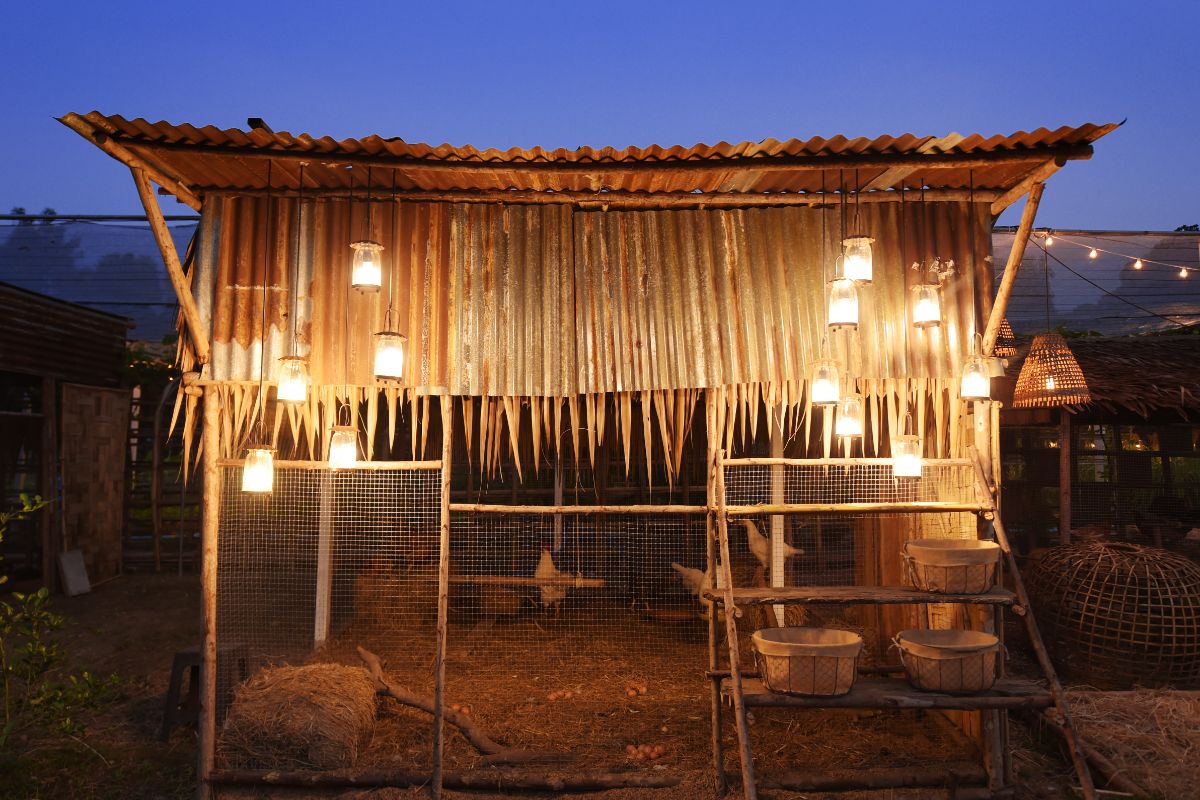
pixel 133 626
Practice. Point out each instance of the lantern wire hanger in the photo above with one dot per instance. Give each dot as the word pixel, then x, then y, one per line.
pixel 825 387
pixel 366 272
pixel 857 258
pixel 258 470
pixel 843 292
pixel 389 342
pixel 926 299
pixel 293 368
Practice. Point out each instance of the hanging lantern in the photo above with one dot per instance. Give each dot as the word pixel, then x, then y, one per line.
pixel 343 447
pixel 1006 340
pixel 1050 376
pixel 906 456
pixel 258 471
pixel 389 355
pixel 926 305
pixel 293 379
pixel 825 382
pixel 843 303
pixel 367 267
pixel 850 416
pixel 857 258
pixel 976 379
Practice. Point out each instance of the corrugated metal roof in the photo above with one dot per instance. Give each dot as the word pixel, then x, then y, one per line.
pixel 209 159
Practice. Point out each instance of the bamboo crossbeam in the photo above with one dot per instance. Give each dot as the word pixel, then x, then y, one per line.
pixel 619 199
pixel 506 780
pixel 1038 174
pixel 363 465
pixel 589 168
pixel 935 776
pixel 837 462
pixel 500 508
pixel 517 580
pixel 179 281
pixel 913 507
pixel 1000 304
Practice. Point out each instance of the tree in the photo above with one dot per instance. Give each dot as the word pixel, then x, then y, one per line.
pixel 1188 229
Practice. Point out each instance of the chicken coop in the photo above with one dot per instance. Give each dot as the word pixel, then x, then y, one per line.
pixel 514 452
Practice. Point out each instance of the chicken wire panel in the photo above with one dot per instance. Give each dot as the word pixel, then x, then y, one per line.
pixel 580 633
pixel 376 531
pixel 848 483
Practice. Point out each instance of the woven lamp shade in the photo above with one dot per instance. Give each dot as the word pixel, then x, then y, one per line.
pixel 1006 341
pixel 1050 376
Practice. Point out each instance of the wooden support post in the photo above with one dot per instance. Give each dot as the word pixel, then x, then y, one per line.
pixel 710 568
pixel 1012 267
pixel 778 567
pixel 179 281
pixel 1064 477
pixel 48 483
pixel 1038 174
pixel 1063 718
pixel 439 668
pixel 324 589
pixel 210 533
pixel 749 789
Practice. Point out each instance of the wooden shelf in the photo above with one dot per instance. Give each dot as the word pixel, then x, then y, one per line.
pixel 896 693
pixel 854 595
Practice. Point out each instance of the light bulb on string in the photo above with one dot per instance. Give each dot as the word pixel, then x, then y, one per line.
pixel 1183 273
pixel 1138 264
pixel 1093 253
pixel 1049 239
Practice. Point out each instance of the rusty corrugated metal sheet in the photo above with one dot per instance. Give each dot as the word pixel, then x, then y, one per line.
pixel 216 165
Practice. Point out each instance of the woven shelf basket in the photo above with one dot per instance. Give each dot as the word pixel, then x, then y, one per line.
pixel 950 661
pixel 1050 376
pixel 954 566
pixel 808 661
pixel 1118 615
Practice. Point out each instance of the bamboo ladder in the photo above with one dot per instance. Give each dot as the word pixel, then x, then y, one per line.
pixel 876 692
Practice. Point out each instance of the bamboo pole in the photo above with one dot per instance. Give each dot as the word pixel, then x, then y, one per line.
pixel 360 465
pixel 777 497
pixel 179 281
pixel 439 669
pixel 210 533
pixel 616 199
pixel 910 507
pixel 485 780
pixel 573 581
pixel 324 588
pixel 1038 174
pixel 501 508
pixel 749 789
pixel 1074 741
pixel 1000 305
pixel 714 634
pixel 761 461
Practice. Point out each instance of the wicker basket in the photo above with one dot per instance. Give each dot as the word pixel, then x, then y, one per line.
pixel 953 566
pixel 951 661
pixel 807 661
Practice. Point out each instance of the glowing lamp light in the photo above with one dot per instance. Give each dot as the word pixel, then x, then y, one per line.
pixel 293 379
pixel 825 382
pixel 850 416
pixel 1138 264
pixel 1183 272
pixel 367 267
pixel 1049 240
pixel 389 355
pixel 857 258
pixel 1093 253
pixel 843 303
pixel 926 305
pixel 258 471
pixel 976 379
pixel 1049 383
pixel 343 447
pixel 906 457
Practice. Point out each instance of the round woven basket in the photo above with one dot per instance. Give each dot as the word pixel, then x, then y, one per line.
pixel 952 661
pixel 807 661
pixel 953 566
pixel 1118 615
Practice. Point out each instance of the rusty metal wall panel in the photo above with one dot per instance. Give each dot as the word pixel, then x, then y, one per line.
pixel 333 324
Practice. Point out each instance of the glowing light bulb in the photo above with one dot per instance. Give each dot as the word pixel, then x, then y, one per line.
pixel 906 457
pixel 1049 240
pixel 258 471
pixel 343 447
pixel 976 383
pixel 1138 264
pixel 1183 273
pixel 389 355
pixel 293 379
pixel 825 391
pixel 366 273
pixel 1093 253
pixel 850 416
pixel 843 303
pixel 858 261
pixel 1049 383
pixel 927 306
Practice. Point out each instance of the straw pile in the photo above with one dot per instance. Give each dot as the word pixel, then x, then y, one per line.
pixel 1152 736
pixel 316 716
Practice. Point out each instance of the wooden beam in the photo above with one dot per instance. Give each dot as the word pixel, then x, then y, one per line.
pixel 1000 305
pixel 490 780
pixel 590 168
pixel 620 199
pixel 510 508
pixel 106 143
pixel 166 246
pixel 443 605
pixel 1039 174
pixel 895 175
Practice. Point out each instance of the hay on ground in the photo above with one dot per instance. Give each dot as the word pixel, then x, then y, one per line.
pixel 1153 736
pixel 316 716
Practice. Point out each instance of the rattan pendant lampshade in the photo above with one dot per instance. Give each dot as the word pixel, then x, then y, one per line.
pixel 1006 341
pixel 1050 376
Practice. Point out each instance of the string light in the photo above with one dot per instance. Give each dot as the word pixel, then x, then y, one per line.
pixel 1049 239
pixel 1138 264
pixel 1093 253
pixel 1183 273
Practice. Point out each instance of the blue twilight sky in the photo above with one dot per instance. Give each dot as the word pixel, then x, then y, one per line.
pixel 568 74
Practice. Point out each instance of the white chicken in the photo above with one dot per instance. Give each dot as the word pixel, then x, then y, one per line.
pixel 697 583
pixel 760 545
pixel 552 594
